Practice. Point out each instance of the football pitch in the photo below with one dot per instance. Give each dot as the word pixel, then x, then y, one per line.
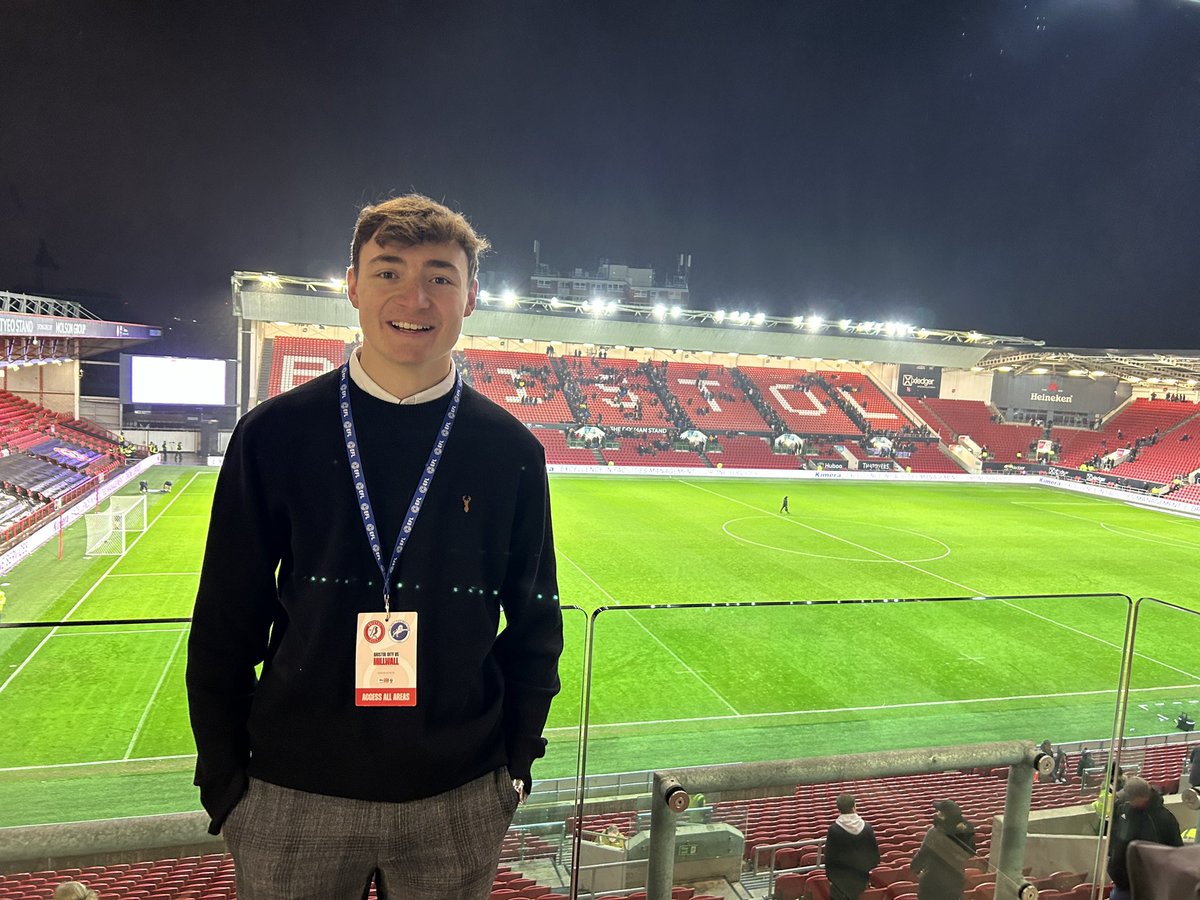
pixel 729 631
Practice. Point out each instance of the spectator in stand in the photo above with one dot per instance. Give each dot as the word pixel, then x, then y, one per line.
pixel 1193 761
pixel 74 890
pixel 851 852
pixel 941 861
pixel 1140 816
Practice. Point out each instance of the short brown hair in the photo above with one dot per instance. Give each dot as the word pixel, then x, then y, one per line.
pixel 845 804
pixel 414 219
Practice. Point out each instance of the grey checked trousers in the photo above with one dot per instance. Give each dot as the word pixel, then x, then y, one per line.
pixel 293 845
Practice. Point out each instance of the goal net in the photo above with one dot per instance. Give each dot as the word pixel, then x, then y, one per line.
pixel 107 532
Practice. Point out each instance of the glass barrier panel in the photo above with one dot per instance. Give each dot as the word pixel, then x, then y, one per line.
pixel 673 687
pixel 1159 742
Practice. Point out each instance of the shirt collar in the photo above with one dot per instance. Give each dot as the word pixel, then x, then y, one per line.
pixel 364 381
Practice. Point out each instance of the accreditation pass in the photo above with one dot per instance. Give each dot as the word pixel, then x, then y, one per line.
pixel 385 660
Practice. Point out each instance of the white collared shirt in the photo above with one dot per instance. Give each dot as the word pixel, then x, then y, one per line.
pixel 360 377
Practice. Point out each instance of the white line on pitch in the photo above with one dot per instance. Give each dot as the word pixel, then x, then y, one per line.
pixel 655 637
pixel 877 708
pixel 972 591
pixel 152 574
pixel 34 652
pixel 85 633
pixel 98 762
pixel 154 695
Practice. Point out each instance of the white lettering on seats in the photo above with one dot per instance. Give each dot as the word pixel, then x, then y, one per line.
pixel 776 391
pixel 297 370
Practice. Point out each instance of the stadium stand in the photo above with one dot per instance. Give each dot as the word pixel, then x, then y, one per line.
pixel 557 451
pixel 711 399
pixel 875 406
pixel 898 808
pixel 628 453
pixel 523 383
pixel 1174 453
pixel 801 402
pixel 930 458
pixel 1189 493
pixel 1135 420
pixel 613 392
pixel 209 877
pixel 974 418
pixel 747 452
pixel 28 476
pixel 296 360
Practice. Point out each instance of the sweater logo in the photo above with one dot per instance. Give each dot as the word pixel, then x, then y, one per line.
pixel 466 503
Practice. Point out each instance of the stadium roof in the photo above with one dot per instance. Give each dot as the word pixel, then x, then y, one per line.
pixel 38 330
pixel 1157 367
pixel 266 296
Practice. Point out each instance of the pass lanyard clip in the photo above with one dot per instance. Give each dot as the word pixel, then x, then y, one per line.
pixel 418 497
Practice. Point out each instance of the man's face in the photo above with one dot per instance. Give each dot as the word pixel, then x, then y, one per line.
pixel 411 303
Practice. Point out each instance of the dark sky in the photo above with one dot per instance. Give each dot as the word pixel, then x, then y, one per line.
pixel 1017 168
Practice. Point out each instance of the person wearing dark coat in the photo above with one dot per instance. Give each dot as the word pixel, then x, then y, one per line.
pixel 944 852
pixel 851 852
pixel 1139 816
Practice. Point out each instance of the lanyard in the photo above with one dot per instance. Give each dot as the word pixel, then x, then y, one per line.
pixel 418 497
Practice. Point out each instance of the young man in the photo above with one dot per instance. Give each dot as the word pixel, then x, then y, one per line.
pixel 784 507
pixel 851 852
pixel 391 732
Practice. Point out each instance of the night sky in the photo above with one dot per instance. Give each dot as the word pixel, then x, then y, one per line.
pixel 1016 168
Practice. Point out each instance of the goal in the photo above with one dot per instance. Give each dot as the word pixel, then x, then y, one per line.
pixel 107 531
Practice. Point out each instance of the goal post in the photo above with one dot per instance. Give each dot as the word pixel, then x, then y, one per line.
pixel 107 531
pixel 132 509
pixel 105 534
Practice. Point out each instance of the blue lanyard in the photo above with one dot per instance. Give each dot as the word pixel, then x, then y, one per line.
pixel 418 497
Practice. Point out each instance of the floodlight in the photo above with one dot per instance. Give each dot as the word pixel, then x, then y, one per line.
pixel 797 321
pixel 1040 370
pixel 719 315
pixel 845 324
pixel 759 318
pixel 814 322
pixel 485 296
pixel 510 298
pixel 1099 373
pixel 338 284
pixel 555 303
pixel 867 362
pixel 1077 372
pixel 973 336
pixel 659 311
pixel 1004 368
pixel 676 312
pixel 269 278
pixel 612 306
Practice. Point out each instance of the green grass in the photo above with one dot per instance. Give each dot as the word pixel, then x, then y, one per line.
pixel 94 719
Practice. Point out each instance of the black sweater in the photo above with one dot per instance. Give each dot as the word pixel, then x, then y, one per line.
pixel 288 568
